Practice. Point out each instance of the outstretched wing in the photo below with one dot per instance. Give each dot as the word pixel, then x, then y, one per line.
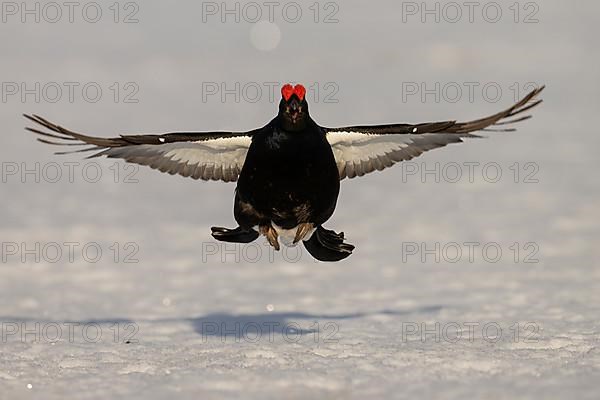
pixel 359 150
pixel 207 155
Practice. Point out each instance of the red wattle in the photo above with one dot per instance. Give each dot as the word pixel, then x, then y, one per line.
pixel 287 91
pixel 300 91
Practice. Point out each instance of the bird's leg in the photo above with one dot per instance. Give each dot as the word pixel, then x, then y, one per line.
pixel 271 234
pixel 303 230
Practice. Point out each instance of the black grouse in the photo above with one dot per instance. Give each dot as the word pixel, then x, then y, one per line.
pixel 288 172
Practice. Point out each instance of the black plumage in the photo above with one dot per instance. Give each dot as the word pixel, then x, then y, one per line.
pixel 288 172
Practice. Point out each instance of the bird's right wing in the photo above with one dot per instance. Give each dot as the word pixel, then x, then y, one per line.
pixel 199 155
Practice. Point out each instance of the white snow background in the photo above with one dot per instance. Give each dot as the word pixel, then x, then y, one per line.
pixel 194 319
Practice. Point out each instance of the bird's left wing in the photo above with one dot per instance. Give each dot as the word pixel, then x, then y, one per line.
pixel 199 155
pixel 359 150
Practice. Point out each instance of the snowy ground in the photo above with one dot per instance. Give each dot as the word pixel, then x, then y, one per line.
pixel 164 310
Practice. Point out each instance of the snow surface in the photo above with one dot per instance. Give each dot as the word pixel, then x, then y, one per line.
pixel 182 319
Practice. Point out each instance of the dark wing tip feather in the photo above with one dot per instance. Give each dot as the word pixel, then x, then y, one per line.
pixel 37 131
pixel 61 153
pixel 499 130
pixel 525 108
pixel 485 124
pixel 58 132
pixel 463 129
pixel 59 144
pixel 514 121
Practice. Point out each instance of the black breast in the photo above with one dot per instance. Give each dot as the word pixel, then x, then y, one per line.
pixel 290 177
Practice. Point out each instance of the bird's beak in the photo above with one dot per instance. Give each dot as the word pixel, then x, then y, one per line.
pixel 295 109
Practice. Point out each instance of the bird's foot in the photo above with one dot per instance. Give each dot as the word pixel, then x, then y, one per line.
pixel 271 234
pixel 237 235
pixel 303 229
pixel 326 245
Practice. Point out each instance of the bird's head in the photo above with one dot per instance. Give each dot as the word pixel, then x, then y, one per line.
pixel 293 108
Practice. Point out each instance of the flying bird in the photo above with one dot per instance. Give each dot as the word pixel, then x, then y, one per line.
pixel 288 172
